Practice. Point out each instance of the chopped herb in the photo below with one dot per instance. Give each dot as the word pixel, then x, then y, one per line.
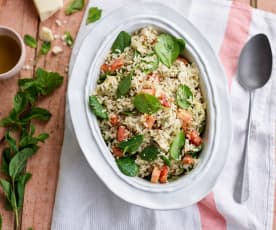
pixel 122 41
pixel 74 6
pixel 68 39
pixel 97 108
pixel 166 160
pixel 45 47
pixel 30 41
pixel 94 14
pixel 196 151
pixel 146 103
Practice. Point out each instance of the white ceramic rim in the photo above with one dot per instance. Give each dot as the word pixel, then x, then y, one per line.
pixel 127 188
pixel 13 71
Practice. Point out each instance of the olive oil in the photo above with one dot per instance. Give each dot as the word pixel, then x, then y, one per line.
pixel 10 52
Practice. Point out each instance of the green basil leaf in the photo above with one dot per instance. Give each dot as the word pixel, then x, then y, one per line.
pixel 146 103
pixel 124 86
pixel 149 153
pixel 166 160
pixel 183 96
pixel 47 82
pixel 177 144
pixel 37 113
pixel 74 6
pixel 94 14
pixel 131 145
pixel 20 187
pixel 167 49
pixel 18 162
pixel 97 108
pixel 127 166
pixel 68 39
pixel 30 41
pixel 11 141
pixel 45 47
pixel 122 41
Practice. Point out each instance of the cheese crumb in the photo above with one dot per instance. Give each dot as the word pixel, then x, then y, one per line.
pixel 57 36
pixel 56 50
pixel 46 34
pixel 27 67
pixel 58 22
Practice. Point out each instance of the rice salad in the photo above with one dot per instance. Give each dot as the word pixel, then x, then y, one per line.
pixel 149 105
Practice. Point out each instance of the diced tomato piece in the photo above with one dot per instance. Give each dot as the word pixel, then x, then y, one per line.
pixel 194 138
pixel 117 64
pixel 186 118
pixel 117 152
pixel 155 175
pixel 150 91
pixel 187 160
pixel 121 133
pixel 105 68
pixel 154 76
pixel 114 120
pixel 149 121
pixel 164 101
pixel 184 60
pixel 164 174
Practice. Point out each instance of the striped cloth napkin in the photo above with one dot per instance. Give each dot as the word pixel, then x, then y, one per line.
pixel 84 203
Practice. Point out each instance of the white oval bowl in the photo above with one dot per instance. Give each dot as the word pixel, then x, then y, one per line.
pixel 190 188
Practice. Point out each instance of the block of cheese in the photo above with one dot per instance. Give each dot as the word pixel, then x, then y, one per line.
pixel 47 8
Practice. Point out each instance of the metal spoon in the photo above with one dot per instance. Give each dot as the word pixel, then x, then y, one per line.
pixel 255 66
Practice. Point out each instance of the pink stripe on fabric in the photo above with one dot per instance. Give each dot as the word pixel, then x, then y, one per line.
pixel 236 35
pixel 211 219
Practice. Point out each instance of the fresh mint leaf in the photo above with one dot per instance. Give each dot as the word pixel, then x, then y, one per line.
pixel 37 113
pixel 28 141
pixel 94 14
pixel 11 141
pixel 146 103
pixel 122 41
pixel 127 166
pixel 19 102
pixel 68 39
pixel 20 187
pixel 177 144
pixel 6 158
pixel 97 108
pixel 124 86
pixel 74 6
pixel 183 95
pixel 6 186
pixel 149 153
pixel 131 145
pixel 42 137
pixel 30 41
pixel 45 47
pixel 168 48
pixel 18 162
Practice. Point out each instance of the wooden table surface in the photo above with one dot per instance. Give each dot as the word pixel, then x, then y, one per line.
pixel 40 191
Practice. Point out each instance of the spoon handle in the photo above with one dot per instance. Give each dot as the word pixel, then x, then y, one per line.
pixel 241 193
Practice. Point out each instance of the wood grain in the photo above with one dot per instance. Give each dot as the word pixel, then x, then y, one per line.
pixel 268 5
pixel 40 191
pixel 28 23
